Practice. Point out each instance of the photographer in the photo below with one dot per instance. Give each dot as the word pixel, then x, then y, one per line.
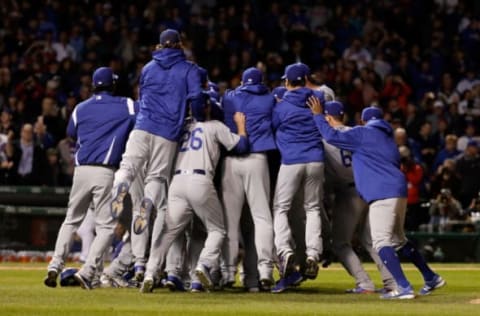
pixel 445 208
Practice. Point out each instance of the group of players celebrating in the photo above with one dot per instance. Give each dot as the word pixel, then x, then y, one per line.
pixel 186 228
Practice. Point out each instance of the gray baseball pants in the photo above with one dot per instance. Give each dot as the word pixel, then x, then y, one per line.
pixel 350 212
pixel 290 179
pixel 248 177
pixel 90 183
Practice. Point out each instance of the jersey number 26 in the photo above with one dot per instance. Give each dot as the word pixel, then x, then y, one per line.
pixel 191 141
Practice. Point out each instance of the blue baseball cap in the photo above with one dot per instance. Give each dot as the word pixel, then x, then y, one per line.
pixel 103 77
pixel 295 72
pixel 371 113
pixel 472 143
pixel 252 76
pixel 169 36
pixel 279 91
pixel 334 108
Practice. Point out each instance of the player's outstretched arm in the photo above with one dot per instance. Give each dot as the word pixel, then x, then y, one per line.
pixel 348 140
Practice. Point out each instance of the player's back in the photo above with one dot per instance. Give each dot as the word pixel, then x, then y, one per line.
pixel 101 125
pixel 200 146
pixel 338 164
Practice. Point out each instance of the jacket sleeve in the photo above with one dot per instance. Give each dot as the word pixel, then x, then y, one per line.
pixel 275 119
pixel 348 140
pixel 194 86
pixel 72 125
pixel 229 110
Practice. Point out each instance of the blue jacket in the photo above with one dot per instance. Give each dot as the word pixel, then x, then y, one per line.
pixel 375 158
pixel 297 137
pixel 257 104
pixel 167 84
pixel 101 125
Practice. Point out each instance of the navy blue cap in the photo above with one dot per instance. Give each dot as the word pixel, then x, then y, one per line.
pixel 103 77
pixel 252 76
pixel 295 72
pixel 371 113
pixel 472 143
pixel 279 91
pixel 169 36
pixel 334 108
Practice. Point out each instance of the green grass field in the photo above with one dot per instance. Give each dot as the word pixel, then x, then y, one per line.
pixel 22 293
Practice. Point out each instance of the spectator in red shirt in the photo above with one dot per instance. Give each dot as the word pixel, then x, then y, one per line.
pixel 396 88
pixel 414 174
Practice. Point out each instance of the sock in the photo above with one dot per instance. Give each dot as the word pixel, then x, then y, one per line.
pixel 391 261
pixel 411 252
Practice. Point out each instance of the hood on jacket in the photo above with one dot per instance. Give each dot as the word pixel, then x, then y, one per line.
pixel 382 125
pixel 167 57
pixel 254 88
pixel 298 97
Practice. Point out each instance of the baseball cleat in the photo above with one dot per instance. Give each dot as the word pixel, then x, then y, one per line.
pixel 293 279
pixel 399 294
pixel 197 287
pixel 147 285
pixel 436 283
pixel 84 282
pixel 51 279
pixel 311 269
pixel 174 284
pixel 266 284
pixel 203 274
pixel 360 290
pixel 139 273
pixel 286 264
pixel 116 207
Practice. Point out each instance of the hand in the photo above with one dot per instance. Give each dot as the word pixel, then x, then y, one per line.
pixel 314 104
pixel 239 118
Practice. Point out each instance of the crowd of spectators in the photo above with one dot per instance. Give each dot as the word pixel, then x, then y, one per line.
pixel 418 60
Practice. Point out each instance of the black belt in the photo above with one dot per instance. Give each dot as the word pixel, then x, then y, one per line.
pixel 194 171
pixel 100 165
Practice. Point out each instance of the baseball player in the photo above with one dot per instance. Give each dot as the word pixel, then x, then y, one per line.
pixel 100 125
pixel 247 175
pixel 381 183
pixel 349 210
pixel 301 150
pixel 167 84
pixel 192 191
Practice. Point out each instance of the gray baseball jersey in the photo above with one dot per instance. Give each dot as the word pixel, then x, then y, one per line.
pixel 350 212
pixel 192 190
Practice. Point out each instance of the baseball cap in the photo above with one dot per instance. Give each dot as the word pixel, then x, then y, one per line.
pixel 252 76
pixel 295 72
pixel 472 143
pixel 169 36
pixel 103 76
pixel 334 108
pixel 279 91
pixel 371 113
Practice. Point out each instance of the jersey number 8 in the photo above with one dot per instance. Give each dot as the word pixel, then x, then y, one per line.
pixel 192 140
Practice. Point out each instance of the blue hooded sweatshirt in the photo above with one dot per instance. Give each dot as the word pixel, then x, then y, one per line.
pixel 167 84
pixel 375 158
pixel 297 137
pixel 101 125
pixel 256 102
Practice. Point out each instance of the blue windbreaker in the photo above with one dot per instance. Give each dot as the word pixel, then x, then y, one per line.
pixel 101 125
pixel 167 84
pixel 256 102
pixel 375 158
pixel 297 137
